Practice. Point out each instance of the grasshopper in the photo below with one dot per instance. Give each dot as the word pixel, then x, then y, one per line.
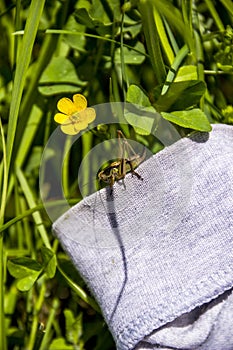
pixel 118 169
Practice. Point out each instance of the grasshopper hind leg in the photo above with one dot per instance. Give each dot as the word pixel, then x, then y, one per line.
pixel 133 172
pixel 136 174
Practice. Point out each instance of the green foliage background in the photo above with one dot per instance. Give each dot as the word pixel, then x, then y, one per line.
pixel 175 56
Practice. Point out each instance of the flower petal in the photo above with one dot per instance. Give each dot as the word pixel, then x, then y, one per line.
pixel 60 118
pixel 88 115
pixel 82 125
pixel 80 102
pixel 69 129
pixel 77 125
pixel 66 106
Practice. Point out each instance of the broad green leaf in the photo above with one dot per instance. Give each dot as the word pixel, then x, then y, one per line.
pixel 136 96
pixel 133 30
pixel 25 270
pixel 141 115
pixel 49 261
pixel 144 119
pixel 21 267
pixel 26 283
pixel 180 95
pixel 110 7
pixel 60 344
pixel 84 17
pixel 192 119
pixel 60 69
pixel 100 16
pixel 108 10
pixel 77 42
pixel 130 56
pixel 57 89
pixel 186 73
pixel 73 326
pixel 60 76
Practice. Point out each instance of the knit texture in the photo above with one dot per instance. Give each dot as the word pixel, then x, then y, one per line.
pixel 158 248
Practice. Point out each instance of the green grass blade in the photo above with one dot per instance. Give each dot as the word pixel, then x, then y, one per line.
pixel 125 83
pixel 87 141
pixel 65 168
pixel 198 46
pixel 146 9
pixel 171 37
pixel 214 14
pixel 163 37
pixel 174 68
pixel 29 134
pixel 31 96
pixel 228 4
pixel 175 20
pixel 4 178
pixel 186 8
pixel 23 61
pixel 2 211
pixel 31 202
pixel 80 292
pixel 30 211
pixel 88 35
pixel 49 325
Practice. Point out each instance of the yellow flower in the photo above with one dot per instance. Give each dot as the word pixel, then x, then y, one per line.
pixel 75 115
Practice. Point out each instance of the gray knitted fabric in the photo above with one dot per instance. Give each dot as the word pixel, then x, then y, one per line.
pixel 158 254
